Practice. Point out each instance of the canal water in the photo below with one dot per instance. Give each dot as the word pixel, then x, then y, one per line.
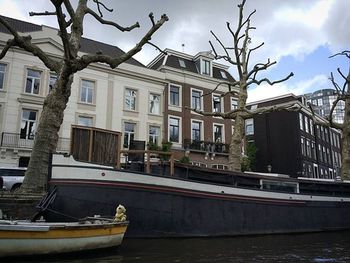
pixel 317 247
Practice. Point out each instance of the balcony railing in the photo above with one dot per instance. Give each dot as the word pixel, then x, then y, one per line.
pixel 206 146
pixel 13 140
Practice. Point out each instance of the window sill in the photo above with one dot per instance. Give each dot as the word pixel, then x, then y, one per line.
pixel 133 111
pixel 86 103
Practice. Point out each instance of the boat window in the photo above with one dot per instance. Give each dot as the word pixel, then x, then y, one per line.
pixel 288 187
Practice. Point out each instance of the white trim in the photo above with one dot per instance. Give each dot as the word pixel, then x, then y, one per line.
pixel 201 99
pixel 76 171
pixel 175 107
pixel 201 128
pixel 179 143
pixel 221 103
pixel 223 131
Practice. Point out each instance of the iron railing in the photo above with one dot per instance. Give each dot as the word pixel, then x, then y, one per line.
pixel 14 140
pixel 206 146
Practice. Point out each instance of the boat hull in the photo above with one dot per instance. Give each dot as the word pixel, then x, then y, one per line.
pixel 169 207
pixel 37 238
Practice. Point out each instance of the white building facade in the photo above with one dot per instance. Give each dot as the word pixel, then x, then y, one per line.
pixel 128 99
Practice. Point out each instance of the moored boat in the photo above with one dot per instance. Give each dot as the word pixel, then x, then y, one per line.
pixel 18 238
pixel 188 201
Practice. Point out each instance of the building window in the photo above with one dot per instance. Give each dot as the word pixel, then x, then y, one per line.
pixel 28 124
pixel 234 103
pixel 311 127
pixel 129 133
pixel 85 121
pixel 320 153
pixel 153 135
pixel 33 81
pixel 87 91
pixel 154 103
pixel 182 63
pixel 196 130
pixel 218 133
pixel 216 103
pixel 174 95
pixel 249 126
pixel 196 99
pixel 205 67
pixel 52 81
pixel 223 74
pixel 174 130
pixel 308 149
pixel 219 166
pixel 313 150
pixel 302 146
pixel 306 122
pixel 2 75
pixel 301 121
pixel 130 99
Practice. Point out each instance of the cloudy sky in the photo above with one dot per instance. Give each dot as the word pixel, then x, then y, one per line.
pixel 299 34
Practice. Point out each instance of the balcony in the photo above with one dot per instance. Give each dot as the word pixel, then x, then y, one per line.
pixel 13 140
pixel 205 146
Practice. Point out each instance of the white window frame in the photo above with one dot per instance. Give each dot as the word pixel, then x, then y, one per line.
pixel 247 123
pixel 29 135
pixel 124 132
pixel 180 129
pixel 2 85
pixel 173 106
pixel 33 79
pixel 159 134
pixel 200 98
pixel 159 103
pixel 201 131
pixel 212 102
pixel 236 105
pixel 133 96
pixel 51 83
pixel 222 132
pixel 301 121
pixel 182 63
pixel 203 67
pixel 83 116
pixel 88 89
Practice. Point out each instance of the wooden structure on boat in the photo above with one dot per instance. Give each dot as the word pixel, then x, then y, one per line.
pixel 100 146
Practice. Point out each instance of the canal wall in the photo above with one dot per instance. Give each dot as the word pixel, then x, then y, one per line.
pixel 18 206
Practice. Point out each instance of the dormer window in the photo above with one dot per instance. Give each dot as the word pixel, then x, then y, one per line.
pixel 223 74
pixel 182 63
pixel 205 67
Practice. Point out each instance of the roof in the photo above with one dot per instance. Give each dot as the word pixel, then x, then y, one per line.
pixel 172 60
pixel 87 45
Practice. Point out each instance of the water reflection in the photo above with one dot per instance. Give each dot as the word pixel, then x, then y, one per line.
pixel 318 248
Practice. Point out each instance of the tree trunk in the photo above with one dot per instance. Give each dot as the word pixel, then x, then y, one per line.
pixel 235 158
pixel 345 168
pixel 46 137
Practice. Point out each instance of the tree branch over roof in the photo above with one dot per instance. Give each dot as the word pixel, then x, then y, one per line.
pixel 113 62
pixel 25 43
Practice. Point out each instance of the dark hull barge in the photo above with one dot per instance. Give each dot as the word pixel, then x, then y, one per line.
pixel 194 202
pixel 188 201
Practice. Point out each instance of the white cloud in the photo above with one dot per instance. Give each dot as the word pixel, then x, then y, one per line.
pixel 265 91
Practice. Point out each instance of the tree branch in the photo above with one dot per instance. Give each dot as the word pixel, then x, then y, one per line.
pixel 113 62
pixel 9 44
pixel 106 22
pixel 98 3
pixel 25 43
pixel 258 82
pixel 46 13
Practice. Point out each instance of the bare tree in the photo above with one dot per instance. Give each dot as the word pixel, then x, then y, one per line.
pixel 239 56
pixel 55 103
pixel 343 94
